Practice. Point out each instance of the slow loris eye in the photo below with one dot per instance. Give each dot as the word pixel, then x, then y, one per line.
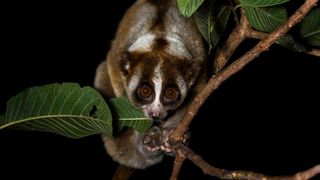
pixel 145 92
pixel 171 94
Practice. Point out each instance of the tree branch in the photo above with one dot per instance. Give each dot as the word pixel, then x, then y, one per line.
pixel 177 165
pixel 260 35
pixel 123 173
pixel 225 174
pixel 238 35
pixel 215 81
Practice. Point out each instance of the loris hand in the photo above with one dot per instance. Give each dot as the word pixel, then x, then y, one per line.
pixel 166 146
pixel 158 139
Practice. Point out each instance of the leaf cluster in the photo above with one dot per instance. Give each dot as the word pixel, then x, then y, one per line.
pixel 263 15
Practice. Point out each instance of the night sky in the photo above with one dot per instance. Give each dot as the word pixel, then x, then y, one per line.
pixel 265 118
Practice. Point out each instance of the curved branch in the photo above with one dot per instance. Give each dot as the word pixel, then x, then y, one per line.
pixel 238 35
pixel 225 174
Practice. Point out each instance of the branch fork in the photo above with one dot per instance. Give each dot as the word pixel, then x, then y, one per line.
pixel 240 33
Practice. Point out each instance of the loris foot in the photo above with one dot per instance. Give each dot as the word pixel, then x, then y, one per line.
pixel 152 140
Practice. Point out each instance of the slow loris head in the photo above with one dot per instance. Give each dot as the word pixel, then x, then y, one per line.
pixel 158 72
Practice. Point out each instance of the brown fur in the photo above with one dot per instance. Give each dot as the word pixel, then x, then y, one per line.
pixel 161 18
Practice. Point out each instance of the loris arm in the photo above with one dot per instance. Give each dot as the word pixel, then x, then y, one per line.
pixel 102 81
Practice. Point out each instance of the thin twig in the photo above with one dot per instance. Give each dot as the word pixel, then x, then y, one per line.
pixel 314 52
pixel 260 35
pixel 257 35
pixel 225 174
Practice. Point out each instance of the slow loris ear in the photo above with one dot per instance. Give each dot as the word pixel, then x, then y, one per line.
pixel 125 63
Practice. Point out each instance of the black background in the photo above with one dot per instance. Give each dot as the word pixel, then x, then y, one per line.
pixel 265 118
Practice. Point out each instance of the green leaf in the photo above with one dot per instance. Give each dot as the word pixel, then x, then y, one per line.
pixel 188 7
pixel 65 109
pixel 310 27
pixel 289 42
pixel 128 115
pixel 266 19
pixel 212 20
pixel 262 3
pixel 69 110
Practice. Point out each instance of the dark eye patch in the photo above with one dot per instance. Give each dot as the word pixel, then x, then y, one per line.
pixel 144 93
pixel 170 95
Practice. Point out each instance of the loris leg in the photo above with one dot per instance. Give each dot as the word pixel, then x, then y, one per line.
pixel 128 148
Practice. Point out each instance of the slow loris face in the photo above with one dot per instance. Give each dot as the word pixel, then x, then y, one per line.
pixel 156 83
pixel 158 74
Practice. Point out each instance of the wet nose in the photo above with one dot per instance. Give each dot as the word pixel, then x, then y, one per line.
pixel 154 116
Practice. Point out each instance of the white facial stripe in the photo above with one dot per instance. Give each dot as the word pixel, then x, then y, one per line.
pixel 133 83
pixel 155 109
pixel 143 43
pixel 157 81
pixel 176 46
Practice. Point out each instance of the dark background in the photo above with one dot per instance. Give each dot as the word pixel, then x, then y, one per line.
pixel 265 118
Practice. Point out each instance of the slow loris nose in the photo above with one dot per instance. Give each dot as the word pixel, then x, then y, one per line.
pixel 154 115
